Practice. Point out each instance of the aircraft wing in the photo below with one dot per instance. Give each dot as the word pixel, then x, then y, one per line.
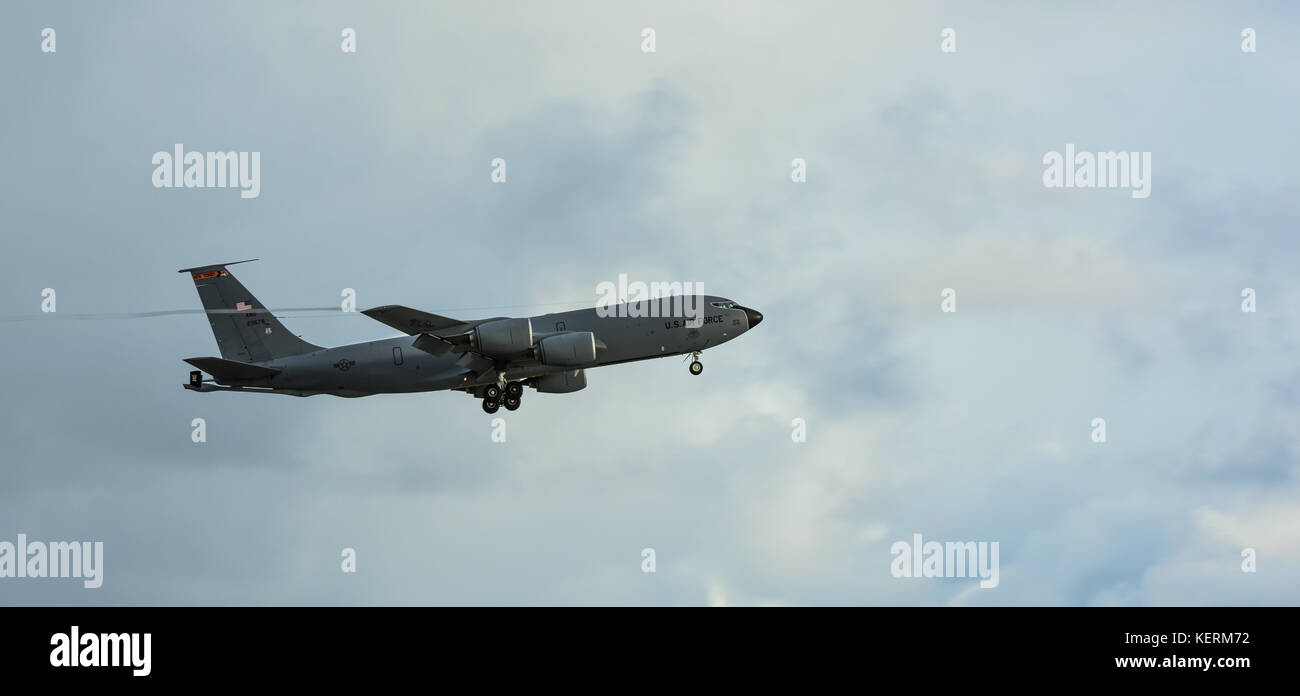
pixel 435 334
pixel 415 322
pixel 439 335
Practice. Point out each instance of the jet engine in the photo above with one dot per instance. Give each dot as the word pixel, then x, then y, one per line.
pixel 504 337
pixel 561 383
pixel 572 349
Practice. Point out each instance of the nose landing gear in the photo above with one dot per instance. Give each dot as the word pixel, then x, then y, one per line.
pixel 696 366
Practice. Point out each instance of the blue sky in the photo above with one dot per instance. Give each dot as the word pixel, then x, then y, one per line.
pixel 924 173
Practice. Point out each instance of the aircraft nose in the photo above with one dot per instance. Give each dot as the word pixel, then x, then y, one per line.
pixel 754 316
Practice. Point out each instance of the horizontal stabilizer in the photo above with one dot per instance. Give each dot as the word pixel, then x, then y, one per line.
pixel 232 370
pixel 413 321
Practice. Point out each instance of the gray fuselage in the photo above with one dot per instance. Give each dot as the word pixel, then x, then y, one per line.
pixel 393 365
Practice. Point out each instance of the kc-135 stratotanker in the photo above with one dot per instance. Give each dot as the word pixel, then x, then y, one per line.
pixel 491 359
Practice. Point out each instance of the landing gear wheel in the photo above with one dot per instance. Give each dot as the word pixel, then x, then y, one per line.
pixel 697 367
pixel 514 389
pixel 491 393
pixel 490 406
pixel 512 402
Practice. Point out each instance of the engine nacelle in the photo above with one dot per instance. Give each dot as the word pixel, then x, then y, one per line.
pixel 562 383
pixel 572 349
pixel 504 337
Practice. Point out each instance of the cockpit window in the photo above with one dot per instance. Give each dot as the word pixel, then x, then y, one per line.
pixel 724 305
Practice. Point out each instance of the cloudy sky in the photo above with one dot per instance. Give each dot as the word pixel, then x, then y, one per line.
pixel 924 172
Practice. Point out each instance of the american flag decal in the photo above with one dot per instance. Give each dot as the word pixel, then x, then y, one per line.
pixel 241 306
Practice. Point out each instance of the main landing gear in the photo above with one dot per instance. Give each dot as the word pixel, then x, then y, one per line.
pixel 696 366
pixel 494 397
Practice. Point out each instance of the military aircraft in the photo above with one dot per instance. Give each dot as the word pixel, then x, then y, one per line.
pixel 490 359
